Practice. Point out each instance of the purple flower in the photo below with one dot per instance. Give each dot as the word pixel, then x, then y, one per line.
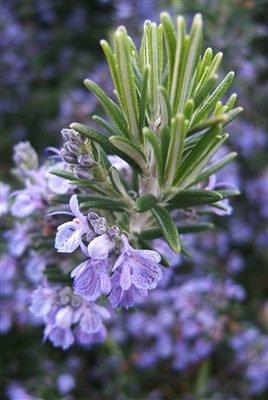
pixel 138 267
pixel 69 234
pixel 42 301
pixel 91 329
pixel 27 201
pixel 135 272
pixel 91 279
pixel 60 309
pixel 4 192
pixel 87 339
pixel 119 296
pixel 18 238
pixel 65 383
pixel 35 265
pixel 57 184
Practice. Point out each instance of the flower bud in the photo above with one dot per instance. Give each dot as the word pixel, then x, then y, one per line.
pixel 100 229
pixel 80 138
pixel 114 231
pixel 85 160
pixel 73 147
pixel 82 173
pixel 92 216
pixel 70 158
pixel 66 134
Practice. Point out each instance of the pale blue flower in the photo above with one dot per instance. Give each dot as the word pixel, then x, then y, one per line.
pixel 91 319
pixel 65 383
pixel 135 272
pixel 18 238
pixel 4 192
pixel 57 184
pixel 91 279
pixel 27 200
pixel 138 267
pixel 69 234
pixel 119 296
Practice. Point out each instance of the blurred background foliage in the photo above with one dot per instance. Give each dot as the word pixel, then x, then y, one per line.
pixel 48 49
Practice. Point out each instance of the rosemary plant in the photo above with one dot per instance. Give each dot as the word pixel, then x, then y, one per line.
pixel 149 175
pixel 166 123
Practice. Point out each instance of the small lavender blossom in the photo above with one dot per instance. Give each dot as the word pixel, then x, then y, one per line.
pixel 214 185
pixel 42 300
pixel 69 234
pixel 27 200
pixel 18 238
pixel 61 310
pixel 35 265
pixel 90 328
pixel 119 296
pixel 139 267
pixel 25 158
pixel 65 383
pixel 4 192
pixel 57 184
pixel 15 391
pixel 134 269
pixel 91 279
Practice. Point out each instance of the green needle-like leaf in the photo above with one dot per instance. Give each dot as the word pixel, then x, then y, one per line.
pixel 226 193
pixel 155 233
pixel 125 74
pixel 171 43
pixel 149 135
pixel 208 123
pixel 190 59
pixel 193 158
pixel 62 174
pixel 116 181
pixel 202 111
pixel 206 89
pixel 155 60
pixel 193 197
pixel 164 106
pixel 129 148
pixel 168 228
pixel 215 167
pixel 178 132
pixel 232 114
pixel 103 203
pixel 145 203
pixel 143 99
pixel 112 110
pixel 176 72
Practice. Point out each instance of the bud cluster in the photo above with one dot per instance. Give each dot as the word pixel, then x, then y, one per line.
pixel 73 153
pixel 99 226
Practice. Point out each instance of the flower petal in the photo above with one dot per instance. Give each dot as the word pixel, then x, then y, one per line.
pixel 86 282
pixel 100 247
pixel 74 206
pixel 125 280
pixel 145 275
pixel 68 237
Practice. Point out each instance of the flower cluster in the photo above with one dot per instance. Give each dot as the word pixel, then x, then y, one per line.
pixel 134 271
pixel 60 309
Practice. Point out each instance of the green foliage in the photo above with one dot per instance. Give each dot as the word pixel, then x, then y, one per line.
pixel 167 125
